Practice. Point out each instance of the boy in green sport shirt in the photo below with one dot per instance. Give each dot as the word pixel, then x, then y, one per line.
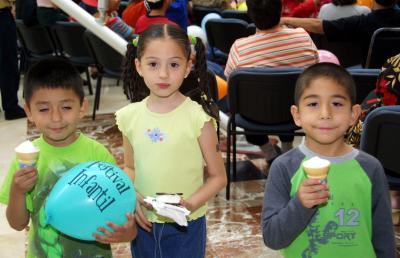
pixel 54 101
pixel 351 215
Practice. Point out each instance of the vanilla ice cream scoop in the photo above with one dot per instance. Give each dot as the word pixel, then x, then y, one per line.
pixel 316 168
pixel 27 154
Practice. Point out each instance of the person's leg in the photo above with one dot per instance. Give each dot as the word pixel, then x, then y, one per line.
pixel 286 142
pixel 144 245
pixel 270 151
pixel 9 76
pixel 180 242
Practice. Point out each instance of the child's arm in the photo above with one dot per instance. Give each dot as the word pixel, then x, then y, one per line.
pixel 382 227
pixel 16 212
pixel 284 218
pixel 121 233
pixel 216 179
pixel 129 168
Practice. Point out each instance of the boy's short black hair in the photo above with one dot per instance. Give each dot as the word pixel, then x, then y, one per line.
pixel 52 73
pixel 328 70
pixel 264 13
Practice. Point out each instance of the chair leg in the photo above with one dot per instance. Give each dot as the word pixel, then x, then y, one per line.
pixel 228 161
pixel 97 96
pixel 234 155
pixel 88 81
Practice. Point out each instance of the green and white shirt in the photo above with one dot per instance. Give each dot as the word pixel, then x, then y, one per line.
pixel 53 162
pixel 355 222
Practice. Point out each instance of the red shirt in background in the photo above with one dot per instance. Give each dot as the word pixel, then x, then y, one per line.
pixel 132 13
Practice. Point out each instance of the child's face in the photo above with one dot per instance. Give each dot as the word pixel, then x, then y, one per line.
pixel 325 113
pixel 56 113
pixel 163 67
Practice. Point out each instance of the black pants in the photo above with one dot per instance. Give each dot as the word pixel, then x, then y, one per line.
pixel 9 75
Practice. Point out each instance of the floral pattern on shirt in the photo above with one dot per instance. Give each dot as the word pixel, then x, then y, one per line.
pixel 155 135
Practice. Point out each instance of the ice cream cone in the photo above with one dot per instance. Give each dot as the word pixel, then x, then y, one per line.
pixel 316 168
pixel 27 154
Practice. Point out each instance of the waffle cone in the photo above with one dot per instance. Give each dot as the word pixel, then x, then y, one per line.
pixel 27 158
pixel 317 173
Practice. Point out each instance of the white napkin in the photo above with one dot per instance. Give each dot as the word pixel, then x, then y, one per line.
pixel 176 213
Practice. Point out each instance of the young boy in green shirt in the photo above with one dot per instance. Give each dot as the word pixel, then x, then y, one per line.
pixel 54 101
pixel 350 216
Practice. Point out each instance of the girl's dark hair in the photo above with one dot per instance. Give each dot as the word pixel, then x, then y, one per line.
pixel 134 86
pixel 343 2
pixel 53 73
pixel 328 70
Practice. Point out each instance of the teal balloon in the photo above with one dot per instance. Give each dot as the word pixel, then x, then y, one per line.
pixel 87 197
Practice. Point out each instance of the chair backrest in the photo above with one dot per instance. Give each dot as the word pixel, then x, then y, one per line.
pixel 70 38
pixel 36 40
pixel 365 80
pixel 222 33
pixel 236 14
pixel 381 138
pixel 385 43
pixel 106 58
pixel 200 11
pixel 263 95
pixel 349 54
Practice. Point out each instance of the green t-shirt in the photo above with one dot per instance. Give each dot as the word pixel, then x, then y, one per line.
pixel 167 154
pixel 53 162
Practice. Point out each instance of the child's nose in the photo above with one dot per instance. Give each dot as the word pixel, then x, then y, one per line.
pixel 163 72
pixel 325 112
pixel 55 115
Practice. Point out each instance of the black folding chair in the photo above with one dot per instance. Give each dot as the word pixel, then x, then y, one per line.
pixel 108 62
pixel 385 43
pixel 200 11
pixel 70 37
pixel 36 43
pixel 235 14
pixel 380 138
pixel 365 80
pixel 259 102
pixel 222 33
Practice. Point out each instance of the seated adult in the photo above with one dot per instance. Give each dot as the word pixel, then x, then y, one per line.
pixel 156 14
pixel 341 9
pixel 178 12
pixel 133 11
pixel 357 29
pixel 272 46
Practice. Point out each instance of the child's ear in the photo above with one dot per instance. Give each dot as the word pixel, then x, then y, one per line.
pixel 138 66
pixel 188 68
pixel 28 112
pixel 83 108
pixel 355 114
pixel 296 115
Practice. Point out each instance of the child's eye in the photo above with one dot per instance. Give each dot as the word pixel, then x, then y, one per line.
pixel 152 64
pixel 42 110
pixel 312 104
pixel 337 104
pixel 67 108
pixel 175 65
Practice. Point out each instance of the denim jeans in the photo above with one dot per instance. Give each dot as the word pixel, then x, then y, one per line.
pixel 169 240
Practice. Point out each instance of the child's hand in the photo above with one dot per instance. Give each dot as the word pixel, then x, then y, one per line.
pixel 24 180
pixel 186 204
pixel 122 233
pixel 141 220
pixel 312 193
